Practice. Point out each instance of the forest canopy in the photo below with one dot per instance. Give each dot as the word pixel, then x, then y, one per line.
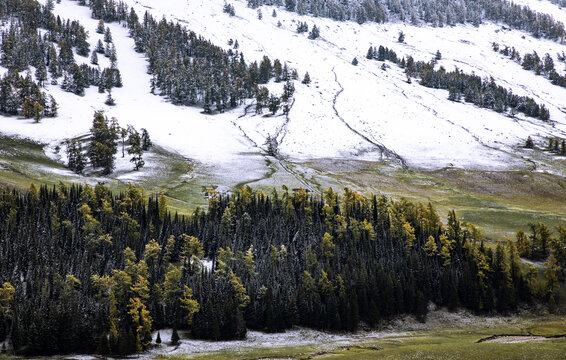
pixel 85 270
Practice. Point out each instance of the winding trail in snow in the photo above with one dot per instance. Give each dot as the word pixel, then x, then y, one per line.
pixel 280 160
pixel 384 150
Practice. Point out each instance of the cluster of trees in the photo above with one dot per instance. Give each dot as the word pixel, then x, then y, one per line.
pixel 88 271
pixel 557 146
pixel 53 52
pixel 303 27
pixel 533 62
pixel 229 9
pixel 271 101
pixel 435 12
pixel 541 245
pixel 472 88
pixel 103 146
pixel 20 95
pixel 185 67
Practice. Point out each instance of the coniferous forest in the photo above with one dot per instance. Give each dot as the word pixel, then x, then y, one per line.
pixel 85 270
pixel 435 12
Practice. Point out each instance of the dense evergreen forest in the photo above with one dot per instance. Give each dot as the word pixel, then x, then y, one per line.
pixel 190 70
pixel 84 270
pixel 34 37
pixel 434 12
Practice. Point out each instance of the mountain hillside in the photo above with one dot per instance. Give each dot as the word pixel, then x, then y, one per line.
pixel 367 112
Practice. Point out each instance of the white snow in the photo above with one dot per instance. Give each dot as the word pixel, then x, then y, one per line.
pixel 417 123
pixel 545 7
pixel 256 339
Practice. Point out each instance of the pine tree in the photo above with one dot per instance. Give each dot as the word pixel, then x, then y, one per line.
pixel 94 58
pixel 370 53
pixel 53 107
pixel 103 146
pixel 529 144
pixel 273 103
pixel 107 35
pixel 355 62
pixel 100 27
pixel 99 48
pixel 27 109
pixel 41 73
pixel 136 150
pixel 37 111
pixel 103 345
pixel 175 337
pixel 307 79
pixel 76 160
pixel 158 339
pixel 145 139
pixel 401 37
pixel 109 99
pixel 315 33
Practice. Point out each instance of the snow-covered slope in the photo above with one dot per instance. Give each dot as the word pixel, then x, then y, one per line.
pixel 348 111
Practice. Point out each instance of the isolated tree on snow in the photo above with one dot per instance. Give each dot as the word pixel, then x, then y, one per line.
pixel 401 37
pixel 355 62
pixel 109 99
pixel 529 143
pixel 145 140
pixel 307 79
pixel 175 337
pixel 315 33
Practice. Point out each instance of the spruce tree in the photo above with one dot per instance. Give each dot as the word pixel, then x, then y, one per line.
pixel 100 27
pixel 315 33
pixel 136 150
pixel 145 139
pixel 94 58
pixel 175 337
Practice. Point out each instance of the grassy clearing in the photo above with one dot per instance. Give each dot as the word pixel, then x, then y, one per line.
pixel 455 347
pixel 459 343
pixel 498 202
pixel 287 352
pixel 453 344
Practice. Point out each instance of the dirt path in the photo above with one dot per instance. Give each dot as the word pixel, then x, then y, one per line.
pixel 384 150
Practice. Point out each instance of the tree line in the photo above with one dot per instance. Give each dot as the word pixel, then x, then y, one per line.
pixel 435 12
pixel 85 270
pixel 482 92
pixel 533 62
